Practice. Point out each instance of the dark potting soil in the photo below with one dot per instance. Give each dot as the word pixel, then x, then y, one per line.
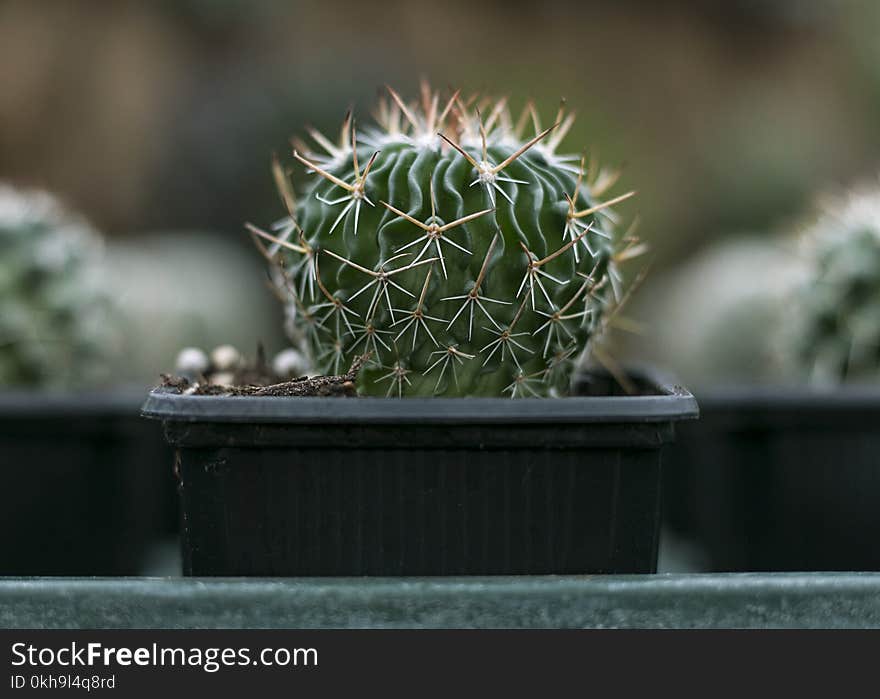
pixel 257 380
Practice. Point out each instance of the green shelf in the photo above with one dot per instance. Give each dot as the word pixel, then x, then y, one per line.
pixel 749 600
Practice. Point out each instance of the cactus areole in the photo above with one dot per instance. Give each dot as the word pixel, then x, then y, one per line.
pixel 457 247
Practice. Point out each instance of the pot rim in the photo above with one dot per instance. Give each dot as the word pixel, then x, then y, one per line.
pixel 668 401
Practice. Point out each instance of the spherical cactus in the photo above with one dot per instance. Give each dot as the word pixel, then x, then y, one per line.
pixel 835 315
pixel 466 257
pixel 54 312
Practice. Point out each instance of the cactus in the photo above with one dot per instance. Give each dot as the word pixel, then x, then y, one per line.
pixel 53 311
pixel 834 334
pixel 708 326
pixel 466 257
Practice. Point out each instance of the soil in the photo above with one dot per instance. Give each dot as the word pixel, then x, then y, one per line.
pixel 256 380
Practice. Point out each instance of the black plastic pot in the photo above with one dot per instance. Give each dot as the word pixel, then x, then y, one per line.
pixel 780 479
pixel 371 486
pixel 85 484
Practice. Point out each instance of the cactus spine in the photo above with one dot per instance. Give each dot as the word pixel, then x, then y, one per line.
pixel 467 257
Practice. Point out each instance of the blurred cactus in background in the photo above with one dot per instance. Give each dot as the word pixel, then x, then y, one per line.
pixel 56 325
pixel 455 245
pixel 715 318
pixel 834 328
pixel 777 309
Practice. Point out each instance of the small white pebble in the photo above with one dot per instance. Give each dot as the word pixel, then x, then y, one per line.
pixel 222 378
pixel 289 363
pixel 191 361
pixel 225 358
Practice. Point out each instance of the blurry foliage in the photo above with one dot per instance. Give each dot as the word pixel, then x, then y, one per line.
pixel 227 131
pixel 725 111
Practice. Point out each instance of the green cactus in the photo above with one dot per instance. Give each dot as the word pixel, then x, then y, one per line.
pixel 835 314
pixel 469 259
pixel 53 311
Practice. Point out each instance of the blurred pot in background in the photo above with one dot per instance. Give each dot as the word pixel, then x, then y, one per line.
pixel 83 329
pixel 79 493
pixel 783 471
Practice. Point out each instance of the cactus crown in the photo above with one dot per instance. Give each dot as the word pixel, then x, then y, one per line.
pixel 53 311
pixel 456 246
pixel 836 320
